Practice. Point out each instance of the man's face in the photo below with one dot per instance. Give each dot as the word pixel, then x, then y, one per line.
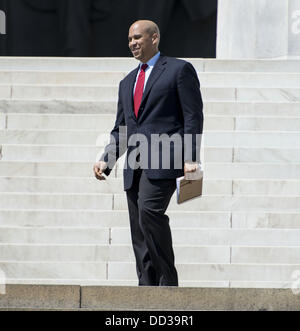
pixel 141 43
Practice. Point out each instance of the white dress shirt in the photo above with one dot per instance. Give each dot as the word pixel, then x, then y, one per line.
pixel 151 63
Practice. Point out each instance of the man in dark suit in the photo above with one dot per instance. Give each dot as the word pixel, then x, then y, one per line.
pixel 160 97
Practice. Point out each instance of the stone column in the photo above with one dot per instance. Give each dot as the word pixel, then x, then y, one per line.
pixel 258 29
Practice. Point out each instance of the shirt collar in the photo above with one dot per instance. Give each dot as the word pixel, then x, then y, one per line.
pixel 152 61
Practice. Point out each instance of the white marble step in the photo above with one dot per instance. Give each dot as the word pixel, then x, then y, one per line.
pixel 266 255
pixel 215 272
pixel 2 121
pixel 53 169
pixel 54 270
pixel 124 253
pixel 12 77
pixel 91 185
pixel 280 220
pixel 213 65
pixel 105 122
pixel 255 109
pixel 59 106
pixel 90 154
pixel 221 108
pixel 5 92
pixel 240 170
pixel 64 92
pixel 232 154
pixel 102 123
pixel 50 153
pixel 112 218
pixel 114 253
pixel 229 170
pixel 126 64
pixel 180 236
pixel 114 271
pixel 223 237
pixel 220 79
pixel 119 202
pixel 266 187
pixel 56 201
pixel 120 218
pixel 53 137
pixel 254 138
pixel 46 235
pixel 245 203
pixel 67 64
pixel 249 79
pixel 109 93
pixel 211 138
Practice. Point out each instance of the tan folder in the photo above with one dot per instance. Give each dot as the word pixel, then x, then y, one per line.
pixel 188 189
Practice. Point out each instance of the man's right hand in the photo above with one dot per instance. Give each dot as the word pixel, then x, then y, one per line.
pixel 99 169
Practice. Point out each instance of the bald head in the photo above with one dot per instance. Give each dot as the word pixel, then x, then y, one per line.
pixel 144 38
pixel 148 27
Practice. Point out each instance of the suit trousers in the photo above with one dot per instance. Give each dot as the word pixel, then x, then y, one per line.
pixel 151 237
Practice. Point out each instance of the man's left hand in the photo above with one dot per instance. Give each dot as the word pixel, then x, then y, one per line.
pixel 193 171
pixel 190 167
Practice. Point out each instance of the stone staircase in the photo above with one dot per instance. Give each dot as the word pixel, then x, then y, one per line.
pixel 59 225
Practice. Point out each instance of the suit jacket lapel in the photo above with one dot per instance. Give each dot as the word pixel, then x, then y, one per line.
pixel 131 82
pixel 155 74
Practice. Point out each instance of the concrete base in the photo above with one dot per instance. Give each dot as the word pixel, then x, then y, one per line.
pixel 45 297
pixel 40 297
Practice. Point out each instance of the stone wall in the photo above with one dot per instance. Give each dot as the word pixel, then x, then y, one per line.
pixel 257 29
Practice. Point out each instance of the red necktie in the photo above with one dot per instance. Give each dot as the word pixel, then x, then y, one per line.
pixel 139 89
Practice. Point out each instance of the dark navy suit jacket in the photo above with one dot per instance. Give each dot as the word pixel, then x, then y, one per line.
pixel 171 104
